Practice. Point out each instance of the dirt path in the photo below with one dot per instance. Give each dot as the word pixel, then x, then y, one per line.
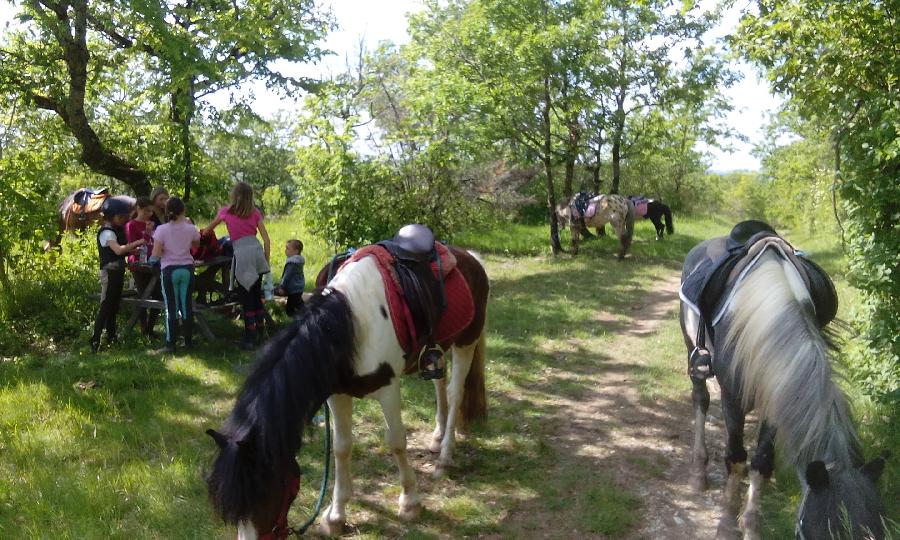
pixel 643 445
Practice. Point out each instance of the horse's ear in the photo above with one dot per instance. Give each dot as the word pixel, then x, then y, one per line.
pixel 817 475
pixel 874 468
pixel 221 440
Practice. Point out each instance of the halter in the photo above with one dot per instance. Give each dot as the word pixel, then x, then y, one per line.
pixel 282 530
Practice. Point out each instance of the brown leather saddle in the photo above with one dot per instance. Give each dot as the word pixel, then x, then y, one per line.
pixel 413 250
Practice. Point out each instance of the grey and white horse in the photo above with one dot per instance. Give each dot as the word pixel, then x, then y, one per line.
pixel 771 353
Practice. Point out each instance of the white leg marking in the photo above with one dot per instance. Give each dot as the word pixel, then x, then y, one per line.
pixel 750 519
pixel 342 412
pixel 395 437
pixel 440 417
pixel 462 362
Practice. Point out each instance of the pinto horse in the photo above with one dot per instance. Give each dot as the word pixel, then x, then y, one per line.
pixel 765 311
pixel 602 209
pixel 343 345
pixel 80 209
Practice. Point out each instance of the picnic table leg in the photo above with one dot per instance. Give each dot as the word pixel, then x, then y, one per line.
pixel 204 328
pixel 136 311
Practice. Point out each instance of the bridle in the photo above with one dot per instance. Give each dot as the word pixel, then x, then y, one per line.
pixel 281 529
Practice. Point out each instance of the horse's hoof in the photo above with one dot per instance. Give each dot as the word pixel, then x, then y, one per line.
pixel 728 529
pixel 410 509
pixel 698 483
pixel 750 523
pixel 331 528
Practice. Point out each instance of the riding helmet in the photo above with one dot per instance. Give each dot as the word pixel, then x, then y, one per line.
pixel 115 207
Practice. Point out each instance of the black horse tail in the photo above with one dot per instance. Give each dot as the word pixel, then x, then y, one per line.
pixel 670 228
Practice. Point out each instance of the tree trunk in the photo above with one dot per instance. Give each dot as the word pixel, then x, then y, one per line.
pixel 183 108
pixel 571 156
pixel 616 164
pixel 72 37
pixel 548 169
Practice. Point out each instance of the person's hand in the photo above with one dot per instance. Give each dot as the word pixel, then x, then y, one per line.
pixel 139 242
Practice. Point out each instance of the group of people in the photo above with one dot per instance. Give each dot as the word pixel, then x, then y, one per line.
pixel 157 232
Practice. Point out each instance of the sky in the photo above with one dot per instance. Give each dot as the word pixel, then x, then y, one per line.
pixel 375 21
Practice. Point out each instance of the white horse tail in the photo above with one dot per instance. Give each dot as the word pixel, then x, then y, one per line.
pixel 781 361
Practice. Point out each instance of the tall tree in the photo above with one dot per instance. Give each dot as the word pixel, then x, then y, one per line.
pixel 838 63
pixel 189 49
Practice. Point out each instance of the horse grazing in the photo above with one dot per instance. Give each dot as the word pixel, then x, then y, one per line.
pixel 655 211
pixel 81 209
pixel 765 309
pixel 600 210
pixel 342 345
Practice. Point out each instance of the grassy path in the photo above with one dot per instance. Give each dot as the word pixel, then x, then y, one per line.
pixel 588 433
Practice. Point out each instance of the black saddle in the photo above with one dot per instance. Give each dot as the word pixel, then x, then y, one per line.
pixel 413 251
pixel 708 285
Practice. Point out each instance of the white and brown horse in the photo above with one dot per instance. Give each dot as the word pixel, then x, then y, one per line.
pixel 343 345
pixel 600 210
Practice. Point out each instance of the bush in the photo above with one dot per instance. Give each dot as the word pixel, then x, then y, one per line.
pixel 50 298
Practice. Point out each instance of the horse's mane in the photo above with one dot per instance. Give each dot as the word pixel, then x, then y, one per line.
pixel 783 360
pixel 293 376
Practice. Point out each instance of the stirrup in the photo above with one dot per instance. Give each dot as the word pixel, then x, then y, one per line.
pixel 700 364
pixel 431 363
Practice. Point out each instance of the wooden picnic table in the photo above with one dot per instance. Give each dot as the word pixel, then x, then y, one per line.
pixel 211 288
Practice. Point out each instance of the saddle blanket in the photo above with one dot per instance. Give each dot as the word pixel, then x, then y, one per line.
pixel 460 306
pixel 640 205
pixel 583 206
pixel 710 287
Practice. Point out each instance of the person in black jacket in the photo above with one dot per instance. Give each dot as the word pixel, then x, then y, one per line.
pixel 112 249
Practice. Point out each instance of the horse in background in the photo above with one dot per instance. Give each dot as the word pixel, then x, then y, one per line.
pixel 765 310
pixel 342 345
pixel 80 209
pixel 655 211
pixel 600 210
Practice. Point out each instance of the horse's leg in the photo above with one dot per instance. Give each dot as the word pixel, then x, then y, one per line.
pixel 699 457
pixel 395 438
pixel 735 464
pixel 576 232
pixel 462 362
pixel 440 417
pixel 657 224
pixel 619 226
pixel 335 515
pixel 761 468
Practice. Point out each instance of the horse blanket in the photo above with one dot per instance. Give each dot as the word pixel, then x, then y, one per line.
pixel 583 206
pixel 640 205
pixel 460 306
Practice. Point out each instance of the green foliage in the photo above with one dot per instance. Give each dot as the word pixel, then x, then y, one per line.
pixel 43 288
pixel 838 63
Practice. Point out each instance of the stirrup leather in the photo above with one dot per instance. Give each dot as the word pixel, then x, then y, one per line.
pixel 431 363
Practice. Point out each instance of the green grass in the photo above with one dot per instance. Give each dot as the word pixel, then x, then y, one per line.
pixel 126 458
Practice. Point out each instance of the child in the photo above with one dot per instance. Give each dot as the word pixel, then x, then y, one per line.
pixel 141 227
pixel 112 248
pixel 172 244
pixel 292 279
pixel 251 260
pixel 159 196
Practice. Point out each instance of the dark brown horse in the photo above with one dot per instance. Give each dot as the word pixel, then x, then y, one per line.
pixel 343 345
pixel 81 209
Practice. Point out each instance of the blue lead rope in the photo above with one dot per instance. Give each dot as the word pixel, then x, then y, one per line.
pixel 325 476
